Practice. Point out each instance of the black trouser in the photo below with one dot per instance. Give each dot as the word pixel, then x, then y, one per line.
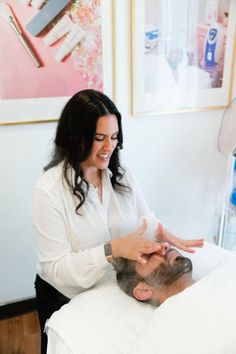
pixel 48 300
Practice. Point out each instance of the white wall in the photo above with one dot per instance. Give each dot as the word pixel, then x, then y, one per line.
pixel 174 158
pixel 23 153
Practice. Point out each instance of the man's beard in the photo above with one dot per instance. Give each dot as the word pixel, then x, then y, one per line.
pixel 166 274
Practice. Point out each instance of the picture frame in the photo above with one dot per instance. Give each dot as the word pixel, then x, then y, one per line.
pixel 182 55
pixel 30 94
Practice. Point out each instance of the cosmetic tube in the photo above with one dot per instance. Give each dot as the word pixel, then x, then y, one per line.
pixel 37 3
pixel 62 27
pixel 72 39
pixel 45 16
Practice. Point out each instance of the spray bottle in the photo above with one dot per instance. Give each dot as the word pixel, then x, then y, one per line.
pixel 213 45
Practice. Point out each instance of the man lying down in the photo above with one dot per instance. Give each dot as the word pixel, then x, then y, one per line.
pixel 199 319
pixel 158 279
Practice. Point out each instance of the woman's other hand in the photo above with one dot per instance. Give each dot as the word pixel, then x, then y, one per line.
pixel 134 246
pixel 164 235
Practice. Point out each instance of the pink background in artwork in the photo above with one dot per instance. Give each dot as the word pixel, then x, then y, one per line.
pixel 19 77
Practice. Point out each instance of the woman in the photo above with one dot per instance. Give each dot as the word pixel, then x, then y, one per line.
pixel 87 206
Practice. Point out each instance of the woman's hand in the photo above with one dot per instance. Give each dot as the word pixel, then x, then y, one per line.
pixel 164 235
pixel 134 246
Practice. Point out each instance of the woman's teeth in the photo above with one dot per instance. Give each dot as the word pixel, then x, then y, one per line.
pixel 103 156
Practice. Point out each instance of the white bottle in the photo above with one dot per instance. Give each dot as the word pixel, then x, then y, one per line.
pixel 72 39
pixel 61 28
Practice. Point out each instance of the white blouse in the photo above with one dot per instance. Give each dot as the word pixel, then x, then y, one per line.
pixel 70 247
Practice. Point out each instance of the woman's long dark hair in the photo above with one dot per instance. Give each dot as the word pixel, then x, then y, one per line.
pixel 75 136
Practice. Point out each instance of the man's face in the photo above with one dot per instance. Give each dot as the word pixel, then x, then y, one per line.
pixel 164 270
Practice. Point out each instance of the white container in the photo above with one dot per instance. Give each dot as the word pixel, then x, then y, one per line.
pixel 62 27
pixel 70 42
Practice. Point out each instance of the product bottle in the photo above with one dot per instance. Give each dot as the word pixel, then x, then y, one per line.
pixel 213 45
pixel 230 227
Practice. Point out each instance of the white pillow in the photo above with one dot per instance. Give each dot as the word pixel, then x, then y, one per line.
pixel 207 258
pixel 199 320
pixel 104 320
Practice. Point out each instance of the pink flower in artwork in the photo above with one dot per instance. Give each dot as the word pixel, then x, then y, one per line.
pixel 87 56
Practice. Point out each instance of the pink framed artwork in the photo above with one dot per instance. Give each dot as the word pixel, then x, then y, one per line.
pixel 48 51
pixel 183 55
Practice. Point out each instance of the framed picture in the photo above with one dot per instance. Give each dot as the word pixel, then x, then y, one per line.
pixel 44 61
pixel 183 55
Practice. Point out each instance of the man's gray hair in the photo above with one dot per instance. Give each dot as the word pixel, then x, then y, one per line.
pixel 126 275
pixel 128 278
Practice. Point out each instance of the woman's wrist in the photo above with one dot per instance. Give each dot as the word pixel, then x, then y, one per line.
pixel 115 248
pixel 111 250
pixel 108 252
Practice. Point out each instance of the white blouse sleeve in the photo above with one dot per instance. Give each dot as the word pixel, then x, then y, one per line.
pixel 58 263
